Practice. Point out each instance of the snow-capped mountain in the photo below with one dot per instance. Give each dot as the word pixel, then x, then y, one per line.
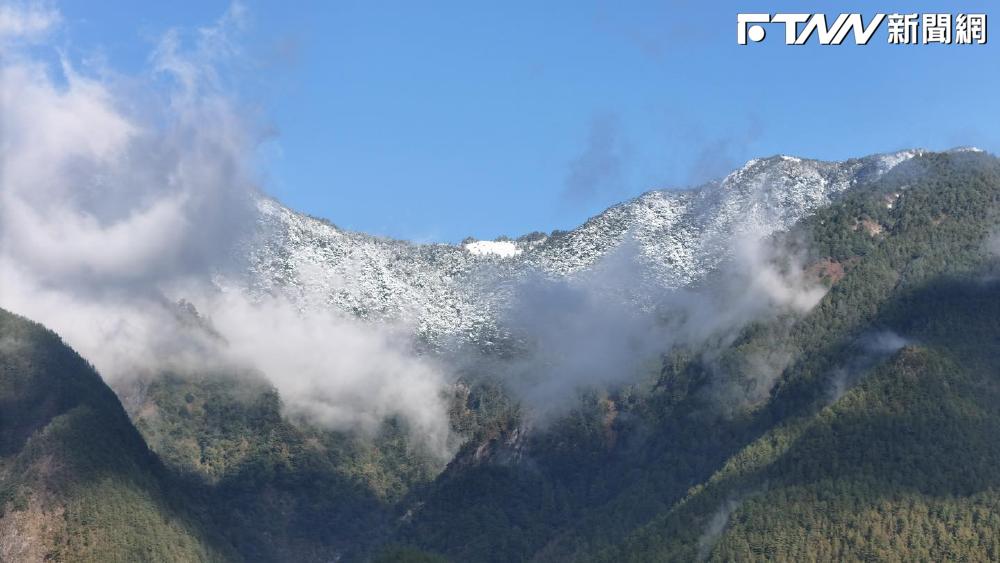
pixel 453 291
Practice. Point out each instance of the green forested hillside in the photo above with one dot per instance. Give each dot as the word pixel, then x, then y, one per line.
pixel 904 465
pixel 901 466
pixel 232 479
pixel 77 482
pixel 278 490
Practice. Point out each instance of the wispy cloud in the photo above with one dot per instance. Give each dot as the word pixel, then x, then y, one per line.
pixel 611 325
pixel 27 21
pixel 599 168
pixel 719 155
pixel 715 527
pixel 869 349
pixel 117 203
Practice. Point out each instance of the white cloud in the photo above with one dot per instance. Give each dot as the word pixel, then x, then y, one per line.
pixel 606 326
pixel 28 21
pixel 121 195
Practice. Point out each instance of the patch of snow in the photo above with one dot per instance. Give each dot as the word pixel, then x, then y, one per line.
pixel 501 248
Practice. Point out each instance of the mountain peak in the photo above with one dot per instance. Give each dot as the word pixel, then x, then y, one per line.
pixel 676 236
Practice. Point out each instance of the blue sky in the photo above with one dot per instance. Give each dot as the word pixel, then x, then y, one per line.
pixel 437 121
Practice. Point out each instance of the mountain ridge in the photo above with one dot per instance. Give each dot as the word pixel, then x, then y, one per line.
pixel 449 293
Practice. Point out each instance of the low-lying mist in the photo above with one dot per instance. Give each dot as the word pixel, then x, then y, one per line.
pixel 612 324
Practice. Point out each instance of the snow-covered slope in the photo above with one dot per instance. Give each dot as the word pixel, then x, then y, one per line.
pixel 451 292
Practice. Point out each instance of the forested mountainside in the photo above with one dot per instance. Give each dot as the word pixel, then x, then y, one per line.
pixel 861 429
pixel 77 482
pixel 874 441
pixel 279 490
pixel 870 453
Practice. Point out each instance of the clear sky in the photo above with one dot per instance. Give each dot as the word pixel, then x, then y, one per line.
pixel 434 121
